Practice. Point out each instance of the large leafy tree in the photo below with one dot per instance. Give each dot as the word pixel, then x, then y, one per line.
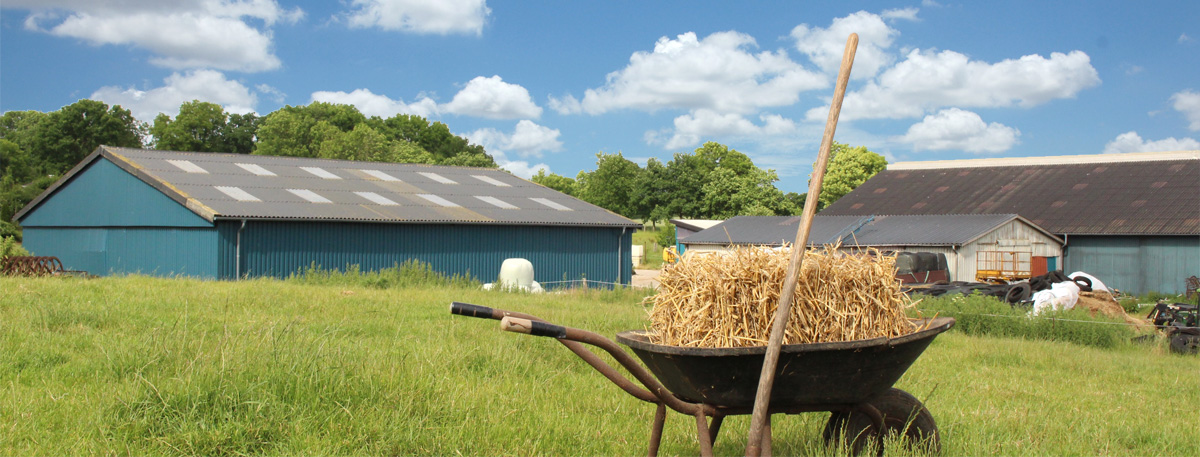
pixel 848 168
pixel 753 193
pixel 341 131
pixel 611 185
pixel 65 137
pixel 205 127
pixel 298 131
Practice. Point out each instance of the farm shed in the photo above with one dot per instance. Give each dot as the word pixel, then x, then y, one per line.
pixel 1132 220
pixel 961 237
pixel 686 227
pixel 226 216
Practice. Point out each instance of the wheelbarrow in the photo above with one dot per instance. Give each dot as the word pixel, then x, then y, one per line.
pixel 851 379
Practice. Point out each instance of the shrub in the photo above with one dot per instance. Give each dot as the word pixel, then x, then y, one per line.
pixel 10 247
pixel 981 315
pixel 666 236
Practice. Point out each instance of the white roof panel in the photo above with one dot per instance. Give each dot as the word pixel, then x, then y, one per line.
pixel 309 195
pixel 256 169
pixel 320 172
pixel 376 198
pixel 188 166
pixel 237 194
pixel 496 202
pixel 439 200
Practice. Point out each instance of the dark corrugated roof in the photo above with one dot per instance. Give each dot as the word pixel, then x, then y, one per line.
pixel 350 191
pixel 926 230
pixel 1156 196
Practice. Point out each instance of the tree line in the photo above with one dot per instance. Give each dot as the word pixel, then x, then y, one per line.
pixel 713 182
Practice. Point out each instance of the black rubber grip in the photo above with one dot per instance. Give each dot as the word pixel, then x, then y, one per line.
pixel 543 329
pixel 469 310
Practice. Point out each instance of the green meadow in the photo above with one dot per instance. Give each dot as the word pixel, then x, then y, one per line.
pixel 148 366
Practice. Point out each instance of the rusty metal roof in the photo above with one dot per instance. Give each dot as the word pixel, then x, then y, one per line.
pixel 237 186
pixel 917 230
pixel 1124 194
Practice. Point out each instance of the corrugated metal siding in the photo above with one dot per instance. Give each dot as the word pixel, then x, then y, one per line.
pixel 280 248
pixel 104 195
pixel 1136 265
pixel 160 251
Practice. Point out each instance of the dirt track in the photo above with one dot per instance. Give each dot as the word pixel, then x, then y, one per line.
pixel 645 278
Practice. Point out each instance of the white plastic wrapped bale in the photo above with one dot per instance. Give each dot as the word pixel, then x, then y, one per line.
pixel 516 274
pixel 1060 296
pixel 1096 284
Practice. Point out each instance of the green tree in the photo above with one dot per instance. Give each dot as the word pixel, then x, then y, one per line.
pixel 848 168
pixel 65 137
pixel 239 133
pixel 197 127
pixel 611 185
pixel 560 183
pixel 298 131
pixel 435 138
pixel 729 194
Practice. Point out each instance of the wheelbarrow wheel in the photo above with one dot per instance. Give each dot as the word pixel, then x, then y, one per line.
pixel 903 415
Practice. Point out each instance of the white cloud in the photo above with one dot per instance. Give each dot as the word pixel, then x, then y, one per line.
pixel 908 14
pixel 717 73
pixel 495 99
pixel 959 130
pixel 204 85
pixel 693 127
pixel 182 34
pixel 1132 142
pixel 528 139
pixel 929 80
pixel 1184 38
pixel 1188 103
pixel 826 46
pixel 441 17
pixel 372 104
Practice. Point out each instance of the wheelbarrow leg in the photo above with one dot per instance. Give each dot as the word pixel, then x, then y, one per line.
pixel 715 426
pixel 660 417
pixel 703 435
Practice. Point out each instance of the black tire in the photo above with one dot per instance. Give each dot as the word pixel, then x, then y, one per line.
pixel 1185 343
pixel 1085 284
pixel 902 414
pixel 1058 276
pixel 1017 292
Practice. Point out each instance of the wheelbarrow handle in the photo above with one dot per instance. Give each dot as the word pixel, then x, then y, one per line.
pixel 469 310
pixel 530 327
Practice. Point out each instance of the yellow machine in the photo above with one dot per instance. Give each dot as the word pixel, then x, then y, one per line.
pixel 1003 267
pixel 669 255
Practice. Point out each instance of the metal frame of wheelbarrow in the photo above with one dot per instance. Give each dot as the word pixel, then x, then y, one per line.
pixel 652 390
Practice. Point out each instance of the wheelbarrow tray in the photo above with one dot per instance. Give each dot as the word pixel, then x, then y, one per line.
pixel 849 372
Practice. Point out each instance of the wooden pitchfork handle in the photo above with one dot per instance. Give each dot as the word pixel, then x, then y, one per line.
pixel 767 378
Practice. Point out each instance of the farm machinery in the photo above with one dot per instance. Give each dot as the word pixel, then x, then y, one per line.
pixel 1181 322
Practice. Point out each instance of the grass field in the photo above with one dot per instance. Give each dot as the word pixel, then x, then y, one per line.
pixel 167 367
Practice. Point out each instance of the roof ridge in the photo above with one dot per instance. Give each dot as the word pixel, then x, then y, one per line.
pixel 275 157
pixel 1048 160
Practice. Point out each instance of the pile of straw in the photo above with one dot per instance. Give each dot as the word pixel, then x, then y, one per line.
pixel 729 300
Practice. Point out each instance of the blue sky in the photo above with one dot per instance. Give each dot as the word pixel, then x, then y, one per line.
pixel 548 84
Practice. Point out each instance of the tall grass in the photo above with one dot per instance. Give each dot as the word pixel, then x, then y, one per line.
pixel 982 315
pixel 149 366
pixel 411 273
